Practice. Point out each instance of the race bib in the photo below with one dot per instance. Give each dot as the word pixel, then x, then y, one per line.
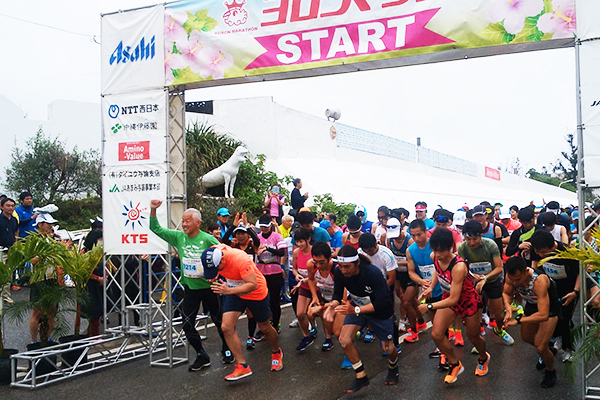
pixel 234 283
pixel 555 271
pixel 192 267
pixel 326 291
pixel 444 284
pixel 480 268
pixel 401 268
pixel 360 301
pixel 303 273
pixel 427 271
pixel 266 257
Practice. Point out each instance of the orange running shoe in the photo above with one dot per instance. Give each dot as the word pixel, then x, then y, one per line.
pixel 458 339
pixel 411 336
pixel 451 334
pixel 238 373
pixel 453 372
pixel 277 361
pixel 422 326
pixel 482 367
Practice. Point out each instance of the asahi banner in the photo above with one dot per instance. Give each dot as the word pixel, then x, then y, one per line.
pixel 590 110
pixel 126 195
pixel 132 50
pixel 220 39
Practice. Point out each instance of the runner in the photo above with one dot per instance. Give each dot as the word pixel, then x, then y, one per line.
pixel 361 213
pixel 420 271
pixel 354 232
pixel 302 255
pixel 519 240
pixel 421 211
pixel 459 298
pixel 245 287
pixel 189 244
pixel 369 302
pixel 485 264
pixel 484 215
pixel 383 214
pixel 321 281
pixel 541 310
pixel 565 273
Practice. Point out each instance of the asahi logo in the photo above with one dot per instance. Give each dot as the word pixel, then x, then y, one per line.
pixel 142 51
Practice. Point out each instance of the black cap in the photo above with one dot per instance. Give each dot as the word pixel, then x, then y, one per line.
pixel 472 228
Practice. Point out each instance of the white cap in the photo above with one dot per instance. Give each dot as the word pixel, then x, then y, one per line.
pixel 45 217
pixel 393 228
pixel 459 218
pixel 504 213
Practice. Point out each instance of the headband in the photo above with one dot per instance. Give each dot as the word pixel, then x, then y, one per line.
pixel 348 259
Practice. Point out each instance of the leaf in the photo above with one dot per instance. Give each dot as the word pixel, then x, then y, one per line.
pixel 200 22
pixel 185 75
pixel 497 34
pixel 547 6
pixel 530 32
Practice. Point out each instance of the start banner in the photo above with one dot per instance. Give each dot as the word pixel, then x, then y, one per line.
pixel 215 39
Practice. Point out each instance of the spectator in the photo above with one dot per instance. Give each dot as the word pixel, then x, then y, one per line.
pixel 274 200
pixel 223 219
pixel 26 214
pixel 8 237
pixel 215 230
pixel 297 199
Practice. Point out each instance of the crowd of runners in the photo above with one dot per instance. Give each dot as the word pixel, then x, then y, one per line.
pixel 468 271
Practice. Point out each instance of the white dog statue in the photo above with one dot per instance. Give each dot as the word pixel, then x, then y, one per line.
pixel 226 173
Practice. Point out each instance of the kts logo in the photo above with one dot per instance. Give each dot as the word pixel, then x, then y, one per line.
pixel 133 214
pixel 143 51
pixel 235 14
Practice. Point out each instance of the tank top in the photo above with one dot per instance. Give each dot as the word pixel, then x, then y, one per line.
pixel 530 297
pixel 355 245
pixel 378 231
pixel 556 232
pixel 400 252
pixel 302 271
pixel 423 265
pixel 445 277
pixel 325 284
pixel 490 232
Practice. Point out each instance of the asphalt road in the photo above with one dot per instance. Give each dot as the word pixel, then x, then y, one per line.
pixel 311 375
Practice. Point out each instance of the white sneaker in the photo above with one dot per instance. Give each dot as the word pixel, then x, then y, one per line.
pixel 567 356
pixel 486 319
pixel 401 326
pixel 294 323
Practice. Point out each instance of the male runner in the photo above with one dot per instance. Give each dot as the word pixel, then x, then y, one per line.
pixel 189 244
pixel 369 302
pixel 245 288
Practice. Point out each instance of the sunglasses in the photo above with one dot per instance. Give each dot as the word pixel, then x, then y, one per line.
pixel 393 226
pixel 442 219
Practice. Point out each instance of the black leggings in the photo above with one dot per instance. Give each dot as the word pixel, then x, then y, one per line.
pixel 275 283
pixel 563 327
pixel 189 310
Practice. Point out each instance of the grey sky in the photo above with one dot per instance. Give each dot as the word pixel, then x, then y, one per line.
pixel 488 110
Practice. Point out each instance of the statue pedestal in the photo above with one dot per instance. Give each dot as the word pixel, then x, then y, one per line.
pixel 208 206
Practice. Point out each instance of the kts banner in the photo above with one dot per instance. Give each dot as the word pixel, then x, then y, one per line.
pixel 218 39
pixel 126 195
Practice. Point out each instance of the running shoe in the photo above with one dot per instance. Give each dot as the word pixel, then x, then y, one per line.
pixel 482 366
pixel 401 326
pixel 485 319
pixel 443 362
pixel 327 345
pixel 358 384
pixel 384 353
pixel 228 358
pixel 482 330
pixel 520 310
pixel 549 379
pixel 453 372
pixel 294 323
pixel 285 298
pixel 202 360
pixel 239 372
pixel 392 377
pixel 506 338
pixel 435 354
pixel 451 334
pixel 369 337
pixel 458 339
pixel 474 350
pixel 259 336
pixel 15 288
pixel 411 336
pixel 306 341
pixel 313 331
pixel 567 356
pixel 422 326
pixel 492 324
pixel 346 364
pixel 250 344
pixel 277 360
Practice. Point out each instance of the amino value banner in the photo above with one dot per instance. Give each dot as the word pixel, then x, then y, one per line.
pixel 220 39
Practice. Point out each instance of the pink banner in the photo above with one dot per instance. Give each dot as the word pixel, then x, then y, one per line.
pixel 492 173
pixel 370 37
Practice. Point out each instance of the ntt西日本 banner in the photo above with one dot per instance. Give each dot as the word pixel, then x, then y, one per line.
pixel 214 39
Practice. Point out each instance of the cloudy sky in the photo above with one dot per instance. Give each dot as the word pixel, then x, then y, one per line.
pixel 489 110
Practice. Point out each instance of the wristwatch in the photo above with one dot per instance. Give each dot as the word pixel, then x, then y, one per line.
pixel 518 318
pixel 430 306
pixel 357 310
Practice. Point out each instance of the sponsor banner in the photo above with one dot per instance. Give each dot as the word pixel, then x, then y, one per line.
pixel 126 195
pixel 148 150
pixel 134 115
pixel 589 53
pixel 492 173
pixel 132 50
pixel 588 15
pixel 215 39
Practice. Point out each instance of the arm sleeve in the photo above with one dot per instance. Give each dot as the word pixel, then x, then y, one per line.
pixel 513 244
pixel 338 286
pixel 254 237
pixel 228 235
pixel 168 235
pixel 500 245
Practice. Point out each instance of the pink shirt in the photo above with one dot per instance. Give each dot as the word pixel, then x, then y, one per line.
pixel 268 263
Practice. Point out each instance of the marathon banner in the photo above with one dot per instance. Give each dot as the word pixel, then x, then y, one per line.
pixel 132 50
pixel 126 195
pixel 209 40
pixel 589 54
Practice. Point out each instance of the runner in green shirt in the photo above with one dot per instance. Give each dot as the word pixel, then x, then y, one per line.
pixel 190 244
